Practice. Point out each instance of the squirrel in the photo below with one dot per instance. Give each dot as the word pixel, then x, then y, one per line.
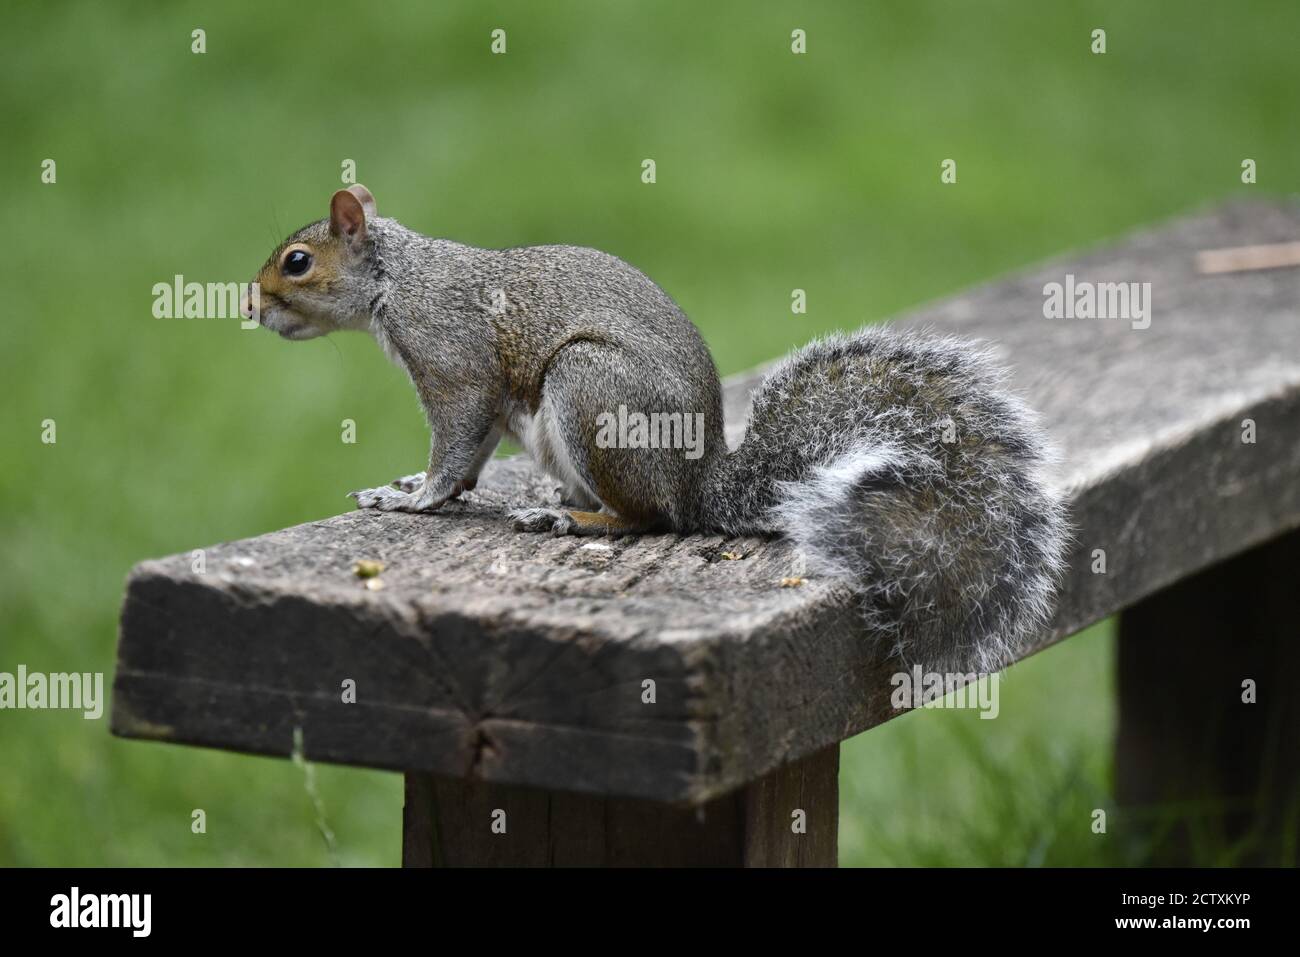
pixel 897 462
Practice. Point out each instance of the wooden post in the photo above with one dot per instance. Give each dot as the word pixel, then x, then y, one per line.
pixel 449 823
pixel 1195 764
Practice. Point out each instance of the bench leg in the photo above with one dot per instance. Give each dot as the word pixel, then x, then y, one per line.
pixel 1187 741
pixel 450 823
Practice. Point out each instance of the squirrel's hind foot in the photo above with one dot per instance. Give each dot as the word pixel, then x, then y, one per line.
pixel 561 522
pixel 553 520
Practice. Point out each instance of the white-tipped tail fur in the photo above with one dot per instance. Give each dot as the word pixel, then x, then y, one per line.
pixel 900 463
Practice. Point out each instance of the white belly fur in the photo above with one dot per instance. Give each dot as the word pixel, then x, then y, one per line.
pixel 541 440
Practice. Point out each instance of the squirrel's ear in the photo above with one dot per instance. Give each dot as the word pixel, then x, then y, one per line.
pixel 347 216
pixel 367 199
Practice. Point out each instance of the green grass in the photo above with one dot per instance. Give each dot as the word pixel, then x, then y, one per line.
pixel 775 171
pixel 945 787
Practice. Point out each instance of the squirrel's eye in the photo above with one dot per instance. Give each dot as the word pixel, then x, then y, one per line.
pixel 297 263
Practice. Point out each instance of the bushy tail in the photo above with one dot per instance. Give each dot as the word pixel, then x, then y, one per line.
pixel 899 462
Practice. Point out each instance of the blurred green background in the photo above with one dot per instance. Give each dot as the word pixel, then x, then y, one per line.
pixel 775 171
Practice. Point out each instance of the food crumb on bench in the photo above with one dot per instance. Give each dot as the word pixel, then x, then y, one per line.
pixel 367 568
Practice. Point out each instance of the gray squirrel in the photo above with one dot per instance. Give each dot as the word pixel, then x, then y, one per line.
pixel 896 462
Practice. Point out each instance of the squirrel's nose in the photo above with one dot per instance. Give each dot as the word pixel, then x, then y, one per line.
pixel 246 307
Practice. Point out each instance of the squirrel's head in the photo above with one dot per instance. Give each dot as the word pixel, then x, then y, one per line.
pixel 325 276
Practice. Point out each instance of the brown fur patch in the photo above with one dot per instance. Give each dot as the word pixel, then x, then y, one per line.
pixel 325 272
pixel 603 524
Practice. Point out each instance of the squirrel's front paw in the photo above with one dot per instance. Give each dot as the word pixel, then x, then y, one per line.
pixel 386 499
pixel 414 485
pixel 389 499
pixel 410 483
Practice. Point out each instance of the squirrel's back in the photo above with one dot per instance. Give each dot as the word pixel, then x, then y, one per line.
pixel 900 463
pixel 537 300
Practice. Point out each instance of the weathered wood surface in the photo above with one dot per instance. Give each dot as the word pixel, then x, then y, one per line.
pixel 519 659
pixel 450 823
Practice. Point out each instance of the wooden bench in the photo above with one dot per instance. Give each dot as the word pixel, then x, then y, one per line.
pixel 506 671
